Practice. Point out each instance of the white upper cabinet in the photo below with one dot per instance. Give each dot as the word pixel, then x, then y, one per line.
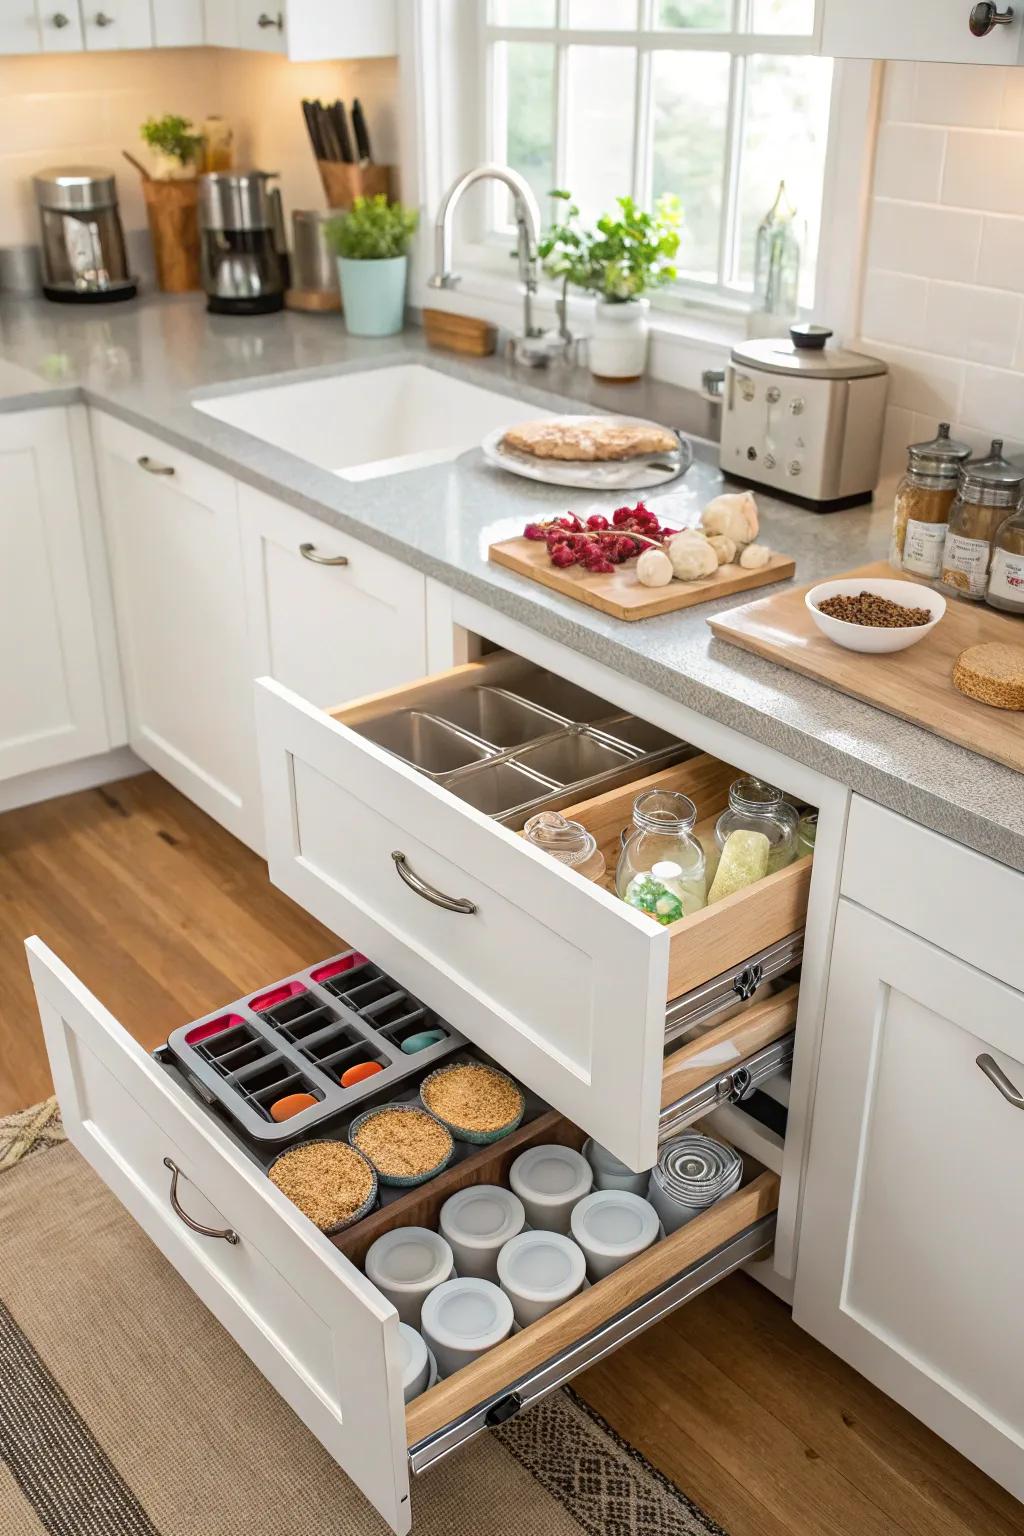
pixel 19 28
pixel 60 26
pixel 177 23
pixel 117 24
pixel 305 29
pixel 934 30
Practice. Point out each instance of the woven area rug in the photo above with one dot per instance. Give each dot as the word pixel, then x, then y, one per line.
pixel 126 1410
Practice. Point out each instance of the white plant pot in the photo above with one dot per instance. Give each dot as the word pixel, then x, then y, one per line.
pixel 618 346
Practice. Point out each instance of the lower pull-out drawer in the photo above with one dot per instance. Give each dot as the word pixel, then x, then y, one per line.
pixel 550 973
pixel 298 1303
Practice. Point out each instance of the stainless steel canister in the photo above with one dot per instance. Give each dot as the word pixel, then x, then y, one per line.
pixel 314 265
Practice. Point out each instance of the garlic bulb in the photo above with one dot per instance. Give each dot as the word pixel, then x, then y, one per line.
pixel 755 557
pixel 654 568
pixel 724 547
pixel 735 515
pixel 692 558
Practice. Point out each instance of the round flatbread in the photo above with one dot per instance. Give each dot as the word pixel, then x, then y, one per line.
pixel 589 439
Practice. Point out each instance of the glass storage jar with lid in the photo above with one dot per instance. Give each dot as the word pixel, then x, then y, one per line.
pixel 755 806
pixel 661 867
pixel 1006 577
pixel 923 499
pixel 567 841
pixel 988 490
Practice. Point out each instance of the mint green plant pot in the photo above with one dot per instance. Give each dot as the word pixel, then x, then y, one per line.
pixel 373 294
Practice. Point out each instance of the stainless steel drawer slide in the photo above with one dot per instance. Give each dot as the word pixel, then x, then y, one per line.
pixel 706 1005
pixel 730 1088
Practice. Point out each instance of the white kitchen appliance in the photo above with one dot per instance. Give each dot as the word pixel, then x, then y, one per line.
pixel 804 419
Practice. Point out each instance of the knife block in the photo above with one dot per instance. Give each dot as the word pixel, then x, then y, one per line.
pixel 344 183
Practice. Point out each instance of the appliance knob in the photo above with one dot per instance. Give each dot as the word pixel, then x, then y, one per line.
pixel 746 387
pixel 985 16
pixel 794 467
pixel 769 461
pixel 751 453
pixel 773 394
pixel 796 405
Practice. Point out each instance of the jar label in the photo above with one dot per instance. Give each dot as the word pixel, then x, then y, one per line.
pixel 965 564
pixel 923 546
pixel 1007 576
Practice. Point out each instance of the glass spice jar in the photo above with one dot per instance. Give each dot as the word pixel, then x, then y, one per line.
pixel 923 499
pixel 1006 576
pixel 567 841
pixel 988 490
pixel 661 867
pixel 758 807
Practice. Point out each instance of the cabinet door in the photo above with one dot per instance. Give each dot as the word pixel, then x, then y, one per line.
pixel 117 24
pixel 262 25
pixel 178 23
pixel 19 27
pixel 330 618
pixel 60 26
pixel 341 29
pixel 220 23
pixel 912 1243
pixel 936 30
pixel 172 528
pixel 51 693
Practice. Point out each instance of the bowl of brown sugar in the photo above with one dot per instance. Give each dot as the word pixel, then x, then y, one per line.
pixel 476 1103
pixel 872 615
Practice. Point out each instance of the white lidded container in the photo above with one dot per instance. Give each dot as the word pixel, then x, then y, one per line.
pixel 462 1320
pixel 549 1180
pixel 476 1223
pixel 538 1271
pixel 416 1362
pixel 405 1265
pixel 610 1172
pixel 804 419
pixel 612 1226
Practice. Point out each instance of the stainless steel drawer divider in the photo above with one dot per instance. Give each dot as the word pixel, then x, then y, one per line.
pixel 749 1244
pixel 730 1088
pixel 700 1007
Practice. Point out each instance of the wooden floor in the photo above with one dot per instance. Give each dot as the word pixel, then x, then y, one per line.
pixel 165 916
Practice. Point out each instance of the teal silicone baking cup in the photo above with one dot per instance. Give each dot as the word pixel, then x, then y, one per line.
pixel 401 1180
pixel 461 1132
pixel 367 1205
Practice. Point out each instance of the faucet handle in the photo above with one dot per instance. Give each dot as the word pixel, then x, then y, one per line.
pixel 444 280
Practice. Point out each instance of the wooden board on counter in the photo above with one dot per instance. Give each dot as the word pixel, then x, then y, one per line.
pixel 619 593
pixel 916 684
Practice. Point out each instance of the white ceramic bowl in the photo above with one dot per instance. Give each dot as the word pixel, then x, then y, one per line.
pixel 613 1226
pixel 610 1173
pixel 477 1222
pixel 549 1180
pixel 405 1265
pixel 538 1271
pixel 863 637
pixel 415 1362
pixel 462 1320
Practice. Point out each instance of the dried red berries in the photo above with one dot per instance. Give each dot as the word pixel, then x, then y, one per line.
pixel 600 545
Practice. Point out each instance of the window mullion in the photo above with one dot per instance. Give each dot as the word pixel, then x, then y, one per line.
pixel 730 159
pixel 643 127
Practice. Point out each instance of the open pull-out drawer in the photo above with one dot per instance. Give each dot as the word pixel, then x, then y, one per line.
pixel 550 973
pixel 298 1303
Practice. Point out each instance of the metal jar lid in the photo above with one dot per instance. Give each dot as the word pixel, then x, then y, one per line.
pixel 75 188
pixel 992 481
pixel 940 458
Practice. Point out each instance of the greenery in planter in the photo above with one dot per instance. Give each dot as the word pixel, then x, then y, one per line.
pixel 372 230
pixel 624 255
pixel 172 136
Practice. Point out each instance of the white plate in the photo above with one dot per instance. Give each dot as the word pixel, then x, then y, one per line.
pixel 638 474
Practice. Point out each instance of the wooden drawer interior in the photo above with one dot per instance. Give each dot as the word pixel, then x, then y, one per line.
pixel 541 1341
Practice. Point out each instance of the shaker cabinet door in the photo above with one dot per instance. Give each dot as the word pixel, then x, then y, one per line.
pixel 117 24
pixel 936 30
pixel 912 1243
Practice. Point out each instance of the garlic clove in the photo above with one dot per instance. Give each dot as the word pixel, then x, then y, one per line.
pixel 755 557
pixel 654 568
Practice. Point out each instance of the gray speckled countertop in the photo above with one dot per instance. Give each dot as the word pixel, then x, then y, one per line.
pixel 145 362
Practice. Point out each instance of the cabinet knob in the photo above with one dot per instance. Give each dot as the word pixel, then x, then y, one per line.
pixel 265 20
pixel 60 20
pixel 985 16
pixel 309 552
pixel 103 20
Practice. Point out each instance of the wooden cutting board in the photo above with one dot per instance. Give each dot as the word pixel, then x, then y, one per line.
pixel 619 593
pixel 916 684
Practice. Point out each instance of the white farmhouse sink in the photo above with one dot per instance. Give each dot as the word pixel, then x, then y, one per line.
pixel 379 422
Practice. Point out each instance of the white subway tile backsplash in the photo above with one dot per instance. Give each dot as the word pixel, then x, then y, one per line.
pixel 1012 106
pixel 1001 255
pixel 979 324
pixel 950 94
pixel 894 308
pixel 924 240
pixel 994 401
pixel 908 162
pixel 898 92
pixel 927 383
pixel 896 434
pixel 984 170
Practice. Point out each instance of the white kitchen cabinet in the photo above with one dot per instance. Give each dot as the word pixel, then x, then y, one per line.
pixel 305 29
pixel 172 532
pixel 329 617
pixel 911 1243
pixel 60 26
pixel 178 23
pixel 51 691
pixel 110 24
pixel 935 30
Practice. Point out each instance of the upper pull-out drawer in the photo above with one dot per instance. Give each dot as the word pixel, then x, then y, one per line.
pixel 548 972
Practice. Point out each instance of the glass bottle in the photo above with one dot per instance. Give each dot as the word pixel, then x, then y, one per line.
pixel 988 490
pixel 923 499
pixel 777 259
pixel 567 841
pixel 755 806
pixel 1006 577
pixel 661 867
pixel 218 140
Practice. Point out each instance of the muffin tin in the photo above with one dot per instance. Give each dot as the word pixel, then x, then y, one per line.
pixel 300 1035
pixel 513 751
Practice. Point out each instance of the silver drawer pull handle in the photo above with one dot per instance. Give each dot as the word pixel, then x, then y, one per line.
pixel 152 467
pixel 430 892
pixel 995 1074
pixel 308 552
pixel 226 1233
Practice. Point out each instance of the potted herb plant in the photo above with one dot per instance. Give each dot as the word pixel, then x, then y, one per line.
pixel 371 242
pixel 171 191
pixel 626 253
pixel 174 147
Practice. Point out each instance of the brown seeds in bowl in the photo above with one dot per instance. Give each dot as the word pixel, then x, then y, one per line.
pixel 874 611
pixel 403 1143
pixel 473 1098
pixel 326 1180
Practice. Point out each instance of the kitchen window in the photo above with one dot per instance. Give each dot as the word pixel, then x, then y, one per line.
pixel 715 100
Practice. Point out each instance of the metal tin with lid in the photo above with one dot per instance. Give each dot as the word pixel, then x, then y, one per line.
pixel 938 461
pixel 986 488
pixel 75 188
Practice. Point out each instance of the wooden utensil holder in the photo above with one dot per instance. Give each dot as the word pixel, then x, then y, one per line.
pixel 171 208
pixel 344 183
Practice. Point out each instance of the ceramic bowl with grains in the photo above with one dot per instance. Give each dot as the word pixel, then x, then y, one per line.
pixel 331 1183
pixel 476 1103
pixel 874 615
pixel 404 1143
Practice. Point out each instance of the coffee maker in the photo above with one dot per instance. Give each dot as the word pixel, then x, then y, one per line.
pixel 83 252
pixel 243 254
